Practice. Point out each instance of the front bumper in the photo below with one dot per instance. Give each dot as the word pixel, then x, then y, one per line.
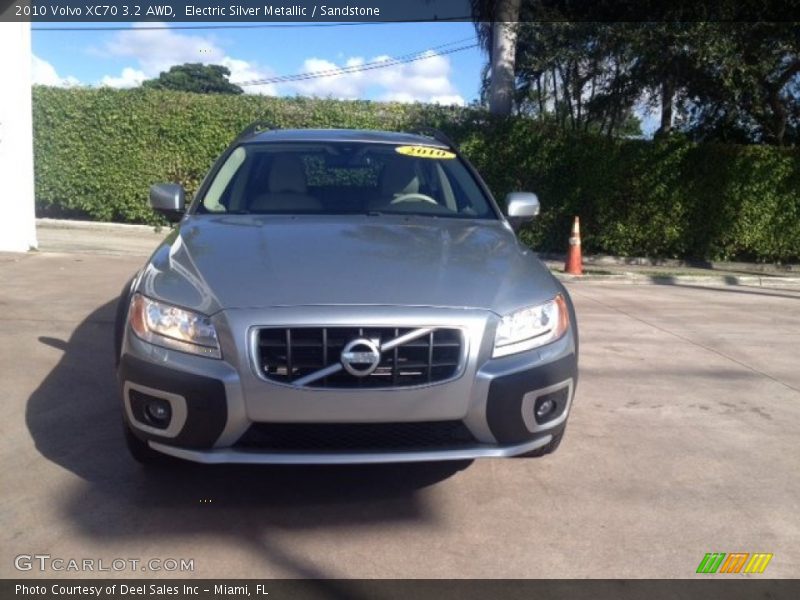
pixel 220 401
pixel 233 456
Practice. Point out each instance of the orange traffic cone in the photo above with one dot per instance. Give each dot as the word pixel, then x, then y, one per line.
pixel 574 264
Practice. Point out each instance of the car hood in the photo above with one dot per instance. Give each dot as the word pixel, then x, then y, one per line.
pixel 211 263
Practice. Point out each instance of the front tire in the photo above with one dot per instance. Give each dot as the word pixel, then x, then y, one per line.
pixel 121 319
pixel 140 451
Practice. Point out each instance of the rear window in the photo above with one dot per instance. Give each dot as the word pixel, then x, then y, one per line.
pixel 344 178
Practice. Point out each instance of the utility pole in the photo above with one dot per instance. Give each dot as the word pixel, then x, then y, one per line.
pixel 503 54
pixel 18 223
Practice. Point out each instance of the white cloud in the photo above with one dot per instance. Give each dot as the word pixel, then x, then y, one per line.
pixel 243 71
pixel 426 80
pixel 43 73
pixel 448 100
pixel 156 50
pixel 127 79
pixel 340 85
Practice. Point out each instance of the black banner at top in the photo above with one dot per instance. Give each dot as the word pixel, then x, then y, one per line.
pixel 234 10
pixel 330 11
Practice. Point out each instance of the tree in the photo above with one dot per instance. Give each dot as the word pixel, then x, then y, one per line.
pixel 662 63
pixel 745 83
pixel 727 81
pixel 737 82
pixel 195 77
pixel 541 65
pixel 576 75
pixel 503 53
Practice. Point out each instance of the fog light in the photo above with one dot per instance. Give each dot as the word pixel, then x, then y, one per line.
pixel 158 412
pixel 544 407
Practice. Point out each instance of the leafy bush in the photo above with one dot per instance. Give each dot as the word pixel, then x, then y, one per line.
pixel 98 151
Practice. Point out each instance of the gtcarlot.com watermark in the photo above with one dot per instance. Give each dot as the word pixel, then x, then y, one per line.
pixel 46 563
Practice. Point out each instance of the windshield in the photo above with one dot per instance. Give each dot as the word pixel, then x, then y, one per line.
pixel 344 178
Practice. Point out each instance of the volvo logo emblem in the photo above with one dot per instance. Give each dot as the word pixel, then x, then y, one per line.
pixel 361 357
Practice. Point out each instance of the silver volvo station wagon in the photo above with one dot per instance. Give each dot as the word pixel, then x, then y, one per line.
pixel 342 296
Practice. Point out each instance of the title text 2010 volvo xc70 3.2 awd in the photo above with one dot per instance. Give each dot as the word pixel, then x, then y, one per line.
pixel 341 296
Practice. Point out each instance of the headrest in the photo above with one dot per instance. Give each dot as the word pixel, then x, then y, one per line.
pixel 287 175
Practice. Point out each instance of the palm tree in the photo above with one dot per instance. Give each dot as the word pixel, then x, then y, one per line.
pixel 496 23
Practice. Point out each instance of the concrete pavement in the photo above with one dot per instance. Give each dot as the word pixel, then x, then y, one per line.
pixel 683 440
pixel 89 237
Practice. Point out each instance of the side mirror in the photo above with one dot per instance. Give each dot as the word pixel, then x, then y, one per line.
pixel 169 199
pixel 521 207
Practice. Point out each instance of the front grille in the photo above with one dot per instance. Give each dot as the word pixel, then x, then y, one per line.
pixel 286 355
pixel 315 437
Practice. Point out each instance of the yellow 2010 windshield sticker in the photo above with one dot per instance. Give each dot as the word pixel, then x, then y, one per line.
pixel 425 152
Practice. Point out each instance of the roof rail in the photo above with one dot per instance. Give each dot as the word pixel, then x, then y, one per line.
pixel 438 136
pixel 255 127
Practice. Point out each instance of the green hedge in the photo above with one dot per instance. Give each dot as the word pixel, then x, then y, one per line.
pixel 98 151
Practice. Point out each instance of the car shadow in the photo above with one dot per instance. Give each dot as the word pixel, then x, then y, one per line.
pixel 75 419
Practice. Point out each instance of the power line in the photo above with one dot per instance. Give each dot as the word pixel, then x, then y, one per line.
pixel 252 25
pixel 376 64
pixel 369 66
pixel 349 70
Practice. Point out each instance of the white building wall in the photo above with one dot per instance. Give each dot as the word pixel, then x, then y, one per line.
pixel 17 217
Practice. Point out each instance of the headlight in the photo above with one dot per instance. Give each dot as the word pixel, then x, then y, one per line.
pixel 172 327
pixel 531 327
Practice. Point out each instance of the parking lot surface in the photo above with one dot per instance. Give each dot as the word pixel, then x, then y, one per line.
pixel 683 440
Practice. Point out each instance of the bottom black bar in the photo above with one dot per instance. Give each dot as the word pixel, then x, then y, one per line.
pixel 402 589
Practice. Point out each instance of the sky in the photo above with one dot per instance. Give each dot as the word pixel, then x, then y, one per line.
pixel 124 58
